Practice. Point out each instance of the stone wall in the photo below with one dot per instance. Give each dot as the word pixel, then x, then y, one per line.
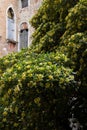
pixel 21 15
pixel 4 5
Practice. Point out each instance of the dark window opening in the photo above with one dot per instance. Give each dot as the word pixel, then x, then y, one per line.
pixel 23 39
pixel 10 13
pixel 24 35
pixel 24 3
pixel 11 25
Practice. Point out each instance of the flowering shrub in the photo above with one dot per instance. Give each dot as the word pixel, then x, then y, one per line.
pixel 33 88
pixel 75 38
pixel 37 88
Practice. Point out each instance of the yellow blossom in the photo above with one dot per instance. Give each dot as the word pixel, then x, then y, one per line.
pixel 11 109
pixel 37 100
pixel 14 75
pixel 50 77
pixel 0 71
pixel 4 120
pixel 49 63
pixel 47 85
pixel 6 62
pixel 16 110
pixel 40 77
pixel 19 68
pixel 9 91
pixel 5 113
pixel 15 124
pixel 23 114
pixel 28 66
pixel 30 75
pixel 9 79
pixel 30 83
pixel 23 75
pixel 17 89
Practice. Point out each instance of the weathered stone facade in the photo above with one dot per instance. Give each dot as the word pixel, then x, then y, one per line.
pixel 15 23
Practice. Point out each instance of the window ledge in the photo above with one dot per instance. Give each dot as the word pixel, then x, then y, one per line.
pixel 11 41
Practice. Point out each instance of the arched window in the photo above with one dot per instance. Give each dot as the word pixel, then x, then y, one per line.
pixel 24 3
pixel 24 35
pixel 10 24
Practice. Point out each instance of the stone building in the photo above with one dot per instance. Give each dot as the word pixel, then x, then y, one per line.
pixel 15 30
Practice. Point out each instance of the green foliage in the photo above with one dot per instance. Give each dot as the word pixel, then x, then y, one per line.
pixel 41 87
pixel 32 87
pixel 50 23
pixel 75 38
pixel 81 78
pixel 76 19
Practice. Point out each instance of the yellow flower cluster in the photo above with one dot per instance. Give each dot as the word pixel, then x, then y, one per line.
pixel 22 83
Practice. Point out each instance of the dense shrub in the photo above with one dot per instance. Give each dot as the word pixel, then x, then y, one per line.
pixel 34 91
pixel 43 86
